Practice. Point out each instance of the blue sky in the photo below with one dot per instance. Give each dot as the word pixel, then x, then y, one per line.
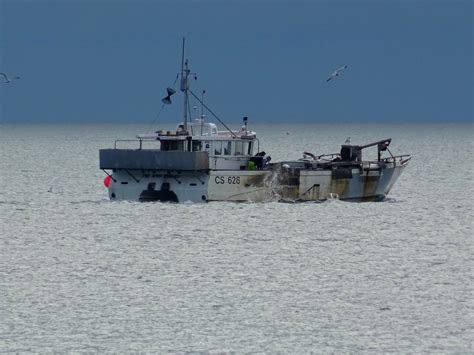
pixel 111 61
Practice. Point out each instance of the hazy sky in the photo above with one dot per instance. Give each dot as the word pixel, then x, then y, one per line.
pixel 111 61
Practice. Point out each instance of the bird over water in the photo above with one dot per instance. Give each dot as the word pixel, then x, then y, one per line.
pixel 336 73
pixel 7 80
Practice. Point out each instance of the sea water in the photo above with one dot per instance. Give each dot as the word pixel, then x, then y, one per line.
pixel 81 273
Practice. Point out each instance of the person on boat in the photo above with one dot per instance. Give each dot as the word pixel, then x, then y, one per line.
pixel 267 161
pixel 258 160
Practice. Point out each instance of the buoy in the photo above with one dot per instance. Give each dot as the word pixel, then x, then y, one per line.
pixel 107 181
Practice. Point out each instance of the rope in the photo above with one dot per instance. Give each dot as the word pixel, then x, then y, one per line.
pixel 156 117
pixel 212 113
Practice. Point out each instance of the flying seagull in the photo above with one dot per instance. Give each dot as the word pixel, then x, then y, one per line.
pixel 336 73
pixel 7 80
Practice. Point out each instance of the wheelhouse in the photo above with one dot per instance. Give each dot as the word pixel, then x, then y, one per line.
pixel 204 136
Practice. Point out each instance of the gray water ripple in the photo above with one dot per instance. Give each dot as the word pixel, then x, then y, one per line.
pixel 79 273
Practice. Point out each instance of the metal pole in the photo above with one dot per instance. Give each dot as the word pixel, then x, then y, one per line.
pixel 184 87
pixel 202 109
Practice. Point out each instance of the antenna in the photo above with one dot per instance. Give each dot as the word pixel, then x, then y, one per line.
pixel 202 104
pixel 182 60
pixel 202 109
pixel 184 87
pixel 245 119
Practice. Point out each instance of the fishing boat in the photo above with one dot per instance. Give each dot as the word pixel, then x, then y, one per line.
pixel 197 162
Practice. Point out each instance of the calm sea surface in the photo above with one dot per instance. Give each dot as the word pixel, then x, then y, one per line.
pixel 81 273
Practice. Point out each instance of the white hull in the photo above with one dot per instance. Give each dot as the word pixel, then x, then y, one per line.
pixel 252 186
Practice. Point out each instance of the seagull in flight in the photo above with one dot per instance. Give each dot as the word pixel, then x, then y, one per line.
pixel 7 80
pixel 336 73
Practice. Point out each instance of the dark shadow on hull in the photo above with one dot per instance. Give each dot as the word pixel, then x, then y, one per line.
pixel 163 195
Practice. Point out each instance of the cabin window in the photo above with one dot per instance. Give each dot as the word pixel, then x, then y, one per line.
pixel 226 146
pixel 197 146
pixel 172 145
pixel 250 150
pixel 242 148
pixel 239 148
pixel 218 148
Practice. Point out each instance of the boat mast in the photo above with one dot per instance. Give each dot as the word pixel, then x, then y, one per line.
pixel 184 87
pixel 202 109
